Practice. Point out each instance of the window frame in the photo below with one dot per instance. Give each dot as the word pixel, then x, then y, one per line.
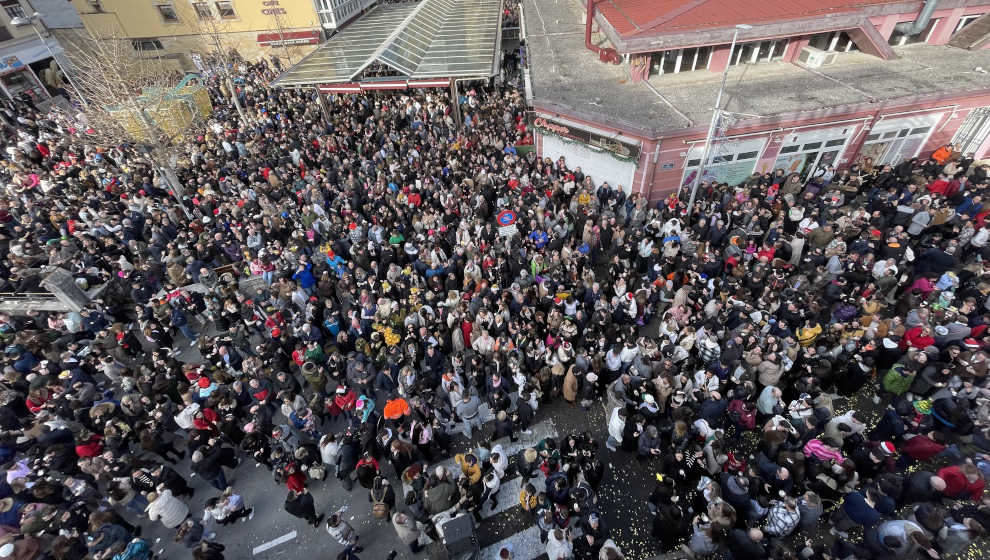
pixel 161 8
pixel 229 5
pixel 138 44
pixel 14 8
pixel 964 21
pixel 198 6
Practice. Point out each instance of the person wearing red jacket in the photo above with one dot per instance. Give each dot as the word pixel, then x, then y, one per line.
pixel 962 481
pixel 919 337
pixel 90 447
pixel 921 447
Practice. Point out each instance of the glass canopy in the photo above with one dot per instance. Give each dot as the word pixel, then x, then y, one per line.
pixel 429 39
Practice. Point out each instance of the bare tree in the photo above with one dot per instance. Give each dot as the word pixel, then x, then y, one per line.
pixel 133 99
pixel 213 33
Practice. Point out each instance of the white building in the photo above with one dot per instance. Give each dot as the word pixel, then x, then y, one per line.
pixel 335 13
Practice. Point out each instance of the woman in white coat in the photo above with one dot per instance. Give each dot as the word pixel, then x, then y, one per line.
pixel 170 509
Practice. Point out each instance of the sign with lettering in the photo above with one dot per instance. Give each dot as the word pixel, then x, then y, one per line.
pixel 618 147
pixel 272 8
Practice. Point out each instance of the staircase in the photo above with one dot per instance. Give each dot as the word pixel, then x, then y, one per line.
pixel 974 35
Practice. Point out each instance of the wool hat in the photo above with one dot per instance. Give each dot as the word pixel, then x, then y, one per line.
pixel 888 448
pixel 203 382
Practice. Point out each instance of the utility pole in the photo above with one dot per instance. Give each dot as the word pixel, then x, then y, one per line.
pixel 716 116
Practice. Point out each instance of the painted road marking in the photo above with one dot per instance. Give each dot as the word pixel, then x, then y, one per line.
pixel 273 543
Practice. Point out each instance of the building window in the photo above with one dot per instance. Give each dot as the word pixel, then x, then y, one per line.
pixel 836 41
pixel 13 8
pixel 757 52
pixel 898 39
pixel 168 13
pixel 964 21
pixel 147 45
pixel 202 10
pixel 681 60
pixel 226 10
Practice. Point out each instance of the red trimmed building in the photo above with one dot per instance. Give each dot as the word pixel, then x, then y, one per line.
pixel 630 97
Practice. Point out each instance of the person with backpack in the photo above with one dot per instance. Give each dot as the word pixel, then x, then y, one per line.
pixel 382 498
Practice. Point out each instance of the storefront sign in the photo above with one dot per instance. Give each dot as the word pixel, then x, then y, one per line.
pixel 272 8
pixel 10 63
pixel 289 38
pixel 624 149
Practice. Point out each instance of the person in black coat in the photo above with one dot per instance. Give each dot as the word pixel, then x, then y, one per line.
pixel 347 460
pixel 503 427
pixel 631 433
pixel 209 551
pixel 669 525
pixel 208 463
pixel 746 545
pixel 300 504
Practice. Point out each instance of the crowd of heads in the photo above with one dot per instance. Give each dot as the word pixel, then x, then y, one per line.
pixel 326 290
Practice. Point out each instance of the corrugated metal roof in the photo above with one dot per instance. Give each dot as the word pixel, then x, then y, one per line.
pixel 642 17
pixel 433 38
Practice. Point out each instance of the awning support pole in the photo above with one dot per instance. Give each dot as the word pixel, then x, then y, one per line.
pixel 323 104
pixel 457 105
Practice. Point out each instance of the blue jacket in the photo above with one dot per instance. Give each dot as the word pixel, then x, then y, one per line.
pixel 305 277
pixel 859 511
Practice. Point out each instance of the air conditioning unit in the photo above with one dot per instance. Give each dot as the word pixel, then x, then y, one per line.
pixel 811 57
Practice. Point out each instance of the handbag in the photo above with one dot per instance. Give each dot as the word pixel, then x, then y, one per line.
pixel 317 472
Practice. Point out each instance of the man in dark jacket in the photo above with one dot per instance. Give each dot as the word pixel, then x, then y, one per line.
pixel 300 504
pixel 922 486
pixel 207 464
pixel 747 545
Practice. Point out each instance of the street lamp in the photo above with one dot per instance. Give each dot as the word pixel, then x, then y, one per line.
pixel 21 21
pixel 715 118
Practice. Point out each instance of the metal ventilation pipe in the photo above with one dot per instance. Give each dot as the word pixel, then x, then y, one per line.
pixel 587 28
pixel 912 28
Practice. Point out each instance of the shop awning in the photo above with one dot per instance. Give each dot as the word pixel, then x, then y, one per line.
pixel 419 41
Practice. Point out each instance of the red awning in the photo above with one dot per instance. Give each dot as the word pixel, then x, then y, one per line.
pixel 290 38
pixel 341 88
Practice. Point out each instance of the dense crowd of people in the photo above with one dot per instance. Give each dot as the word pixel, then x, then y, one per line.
pixel 327 294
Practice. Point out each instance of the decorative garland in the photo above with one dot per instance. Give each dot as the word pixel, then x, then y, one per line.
pixel 566 140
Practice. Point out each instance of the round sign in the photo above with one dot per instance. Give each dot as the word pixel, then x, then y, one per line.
pixel 506 218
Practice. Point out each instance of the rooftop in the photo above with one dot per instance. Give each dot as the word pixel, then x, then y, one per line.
pixel 566 75
pixel 635 17
pixel 429 39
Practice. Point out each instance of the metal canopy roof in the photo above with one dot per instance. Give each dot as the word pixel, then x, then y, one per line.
pixel 429 39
